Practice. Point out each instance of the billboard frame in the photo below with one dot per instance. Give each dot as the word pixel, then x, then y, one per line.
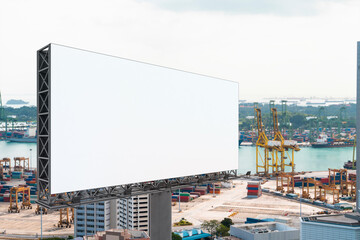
pixel 77 198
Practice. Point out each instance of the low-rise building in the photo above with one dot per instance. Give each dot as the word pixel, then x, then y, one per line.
pixel 264 231
pixel 119 234
pixel 331 227
pixel 193 234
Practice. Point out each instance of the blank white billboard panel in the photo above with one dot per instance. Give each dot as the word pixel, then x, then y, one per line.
pixel 116 121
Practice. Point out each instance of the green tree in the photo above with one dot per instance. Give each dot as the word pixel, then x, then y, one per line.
pixel 222 230
pixel 297 120
pixel 227 222
pixel 175 236
pixel 210 226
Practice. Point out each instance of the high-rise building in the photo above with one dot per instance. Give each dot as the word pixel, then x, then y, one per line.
pixel 134 213
pixel 92 218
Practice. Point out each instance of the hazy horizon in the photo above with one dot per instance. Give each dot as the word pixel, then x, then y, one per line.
pixel 272 48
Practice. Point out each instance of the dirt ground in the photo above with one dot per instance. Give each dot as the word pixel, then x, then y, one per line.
pixel 234 203
pixel 27 222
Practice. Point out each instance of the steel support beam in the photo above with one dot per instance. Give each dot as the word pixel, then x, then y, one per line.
pixel 357 130
pixel 160 215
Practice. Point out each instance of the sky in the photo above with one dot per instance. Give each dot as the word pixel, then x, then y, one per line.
pixel 273 48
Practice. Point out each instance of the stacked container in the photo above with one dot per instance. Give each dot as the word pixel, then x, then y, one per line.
pixel 187 189
pixel 33 191
pixel 6 177
pixel 16 175
pixel 217 190
pixel 325 181
pixel 174 198
pixel 6 197
pixel 195 193
pixel 297 181
pixel 31 181
pixel 254 189
pixel 184 197
pixel 201 190
pixel 33 198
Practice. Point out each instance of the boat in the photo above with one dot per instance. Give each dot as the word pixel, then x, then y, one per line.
pixel 23 140
pixel 331 145
pixel 247 144
pixel 352 164
pixel 28 137
pixel 349 165
pixel 325 142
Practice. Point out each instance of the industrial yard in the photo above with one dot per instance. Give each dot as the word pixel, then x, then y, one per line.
pixel 28 223
pixel 234 203
pixel 231 200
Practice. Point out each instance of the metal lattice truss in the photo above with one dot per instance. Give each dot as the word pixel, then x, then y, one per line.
pixel 43 123
pixel 73 199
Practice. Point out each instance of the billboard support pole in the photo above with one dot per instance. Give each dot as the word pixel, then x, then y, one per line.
pixel 41 210
pixel 213 189
pixel 160 215
pixel 179 201
pixel 357 130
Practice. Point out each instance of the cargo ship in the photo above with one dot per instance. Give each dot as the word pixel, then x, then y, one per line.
pixel 349 165
pixel 325 142
pixel 28 137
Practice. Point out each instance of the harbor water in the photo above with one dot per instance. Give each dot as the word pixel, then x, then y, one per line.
pixel 12 149
pixel 308 159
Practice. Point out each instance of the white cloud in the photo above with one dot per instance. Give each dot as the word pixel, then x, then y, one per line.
pixel 272 7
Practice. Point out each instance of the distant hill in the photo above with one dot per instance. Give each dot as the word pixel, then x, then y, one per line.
pixel 16 102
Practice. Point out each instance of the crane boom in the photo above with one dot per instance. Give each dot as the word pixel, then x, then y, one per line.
pixel 259 120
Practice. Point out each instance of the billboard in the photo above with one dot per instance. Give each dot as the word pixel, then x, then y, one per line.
pixel 115 121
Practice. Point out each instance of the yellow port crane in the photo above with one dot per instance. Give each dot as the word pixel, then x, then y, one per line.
pixel 39 209
pixel 285 180
pixel 289 147
pixel 268 160
pixel 65 219
pixel 6 163
pixel 21 163
pixel 14 199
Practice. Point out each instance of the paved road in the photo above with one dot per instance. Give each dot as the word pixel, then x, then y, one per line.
pixel 20 237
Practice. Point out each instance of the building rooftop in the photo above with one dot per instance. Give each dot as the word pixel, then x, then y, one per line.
pixel 193 234
pixel 120 234
pixel 348 219
pixel 264 227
